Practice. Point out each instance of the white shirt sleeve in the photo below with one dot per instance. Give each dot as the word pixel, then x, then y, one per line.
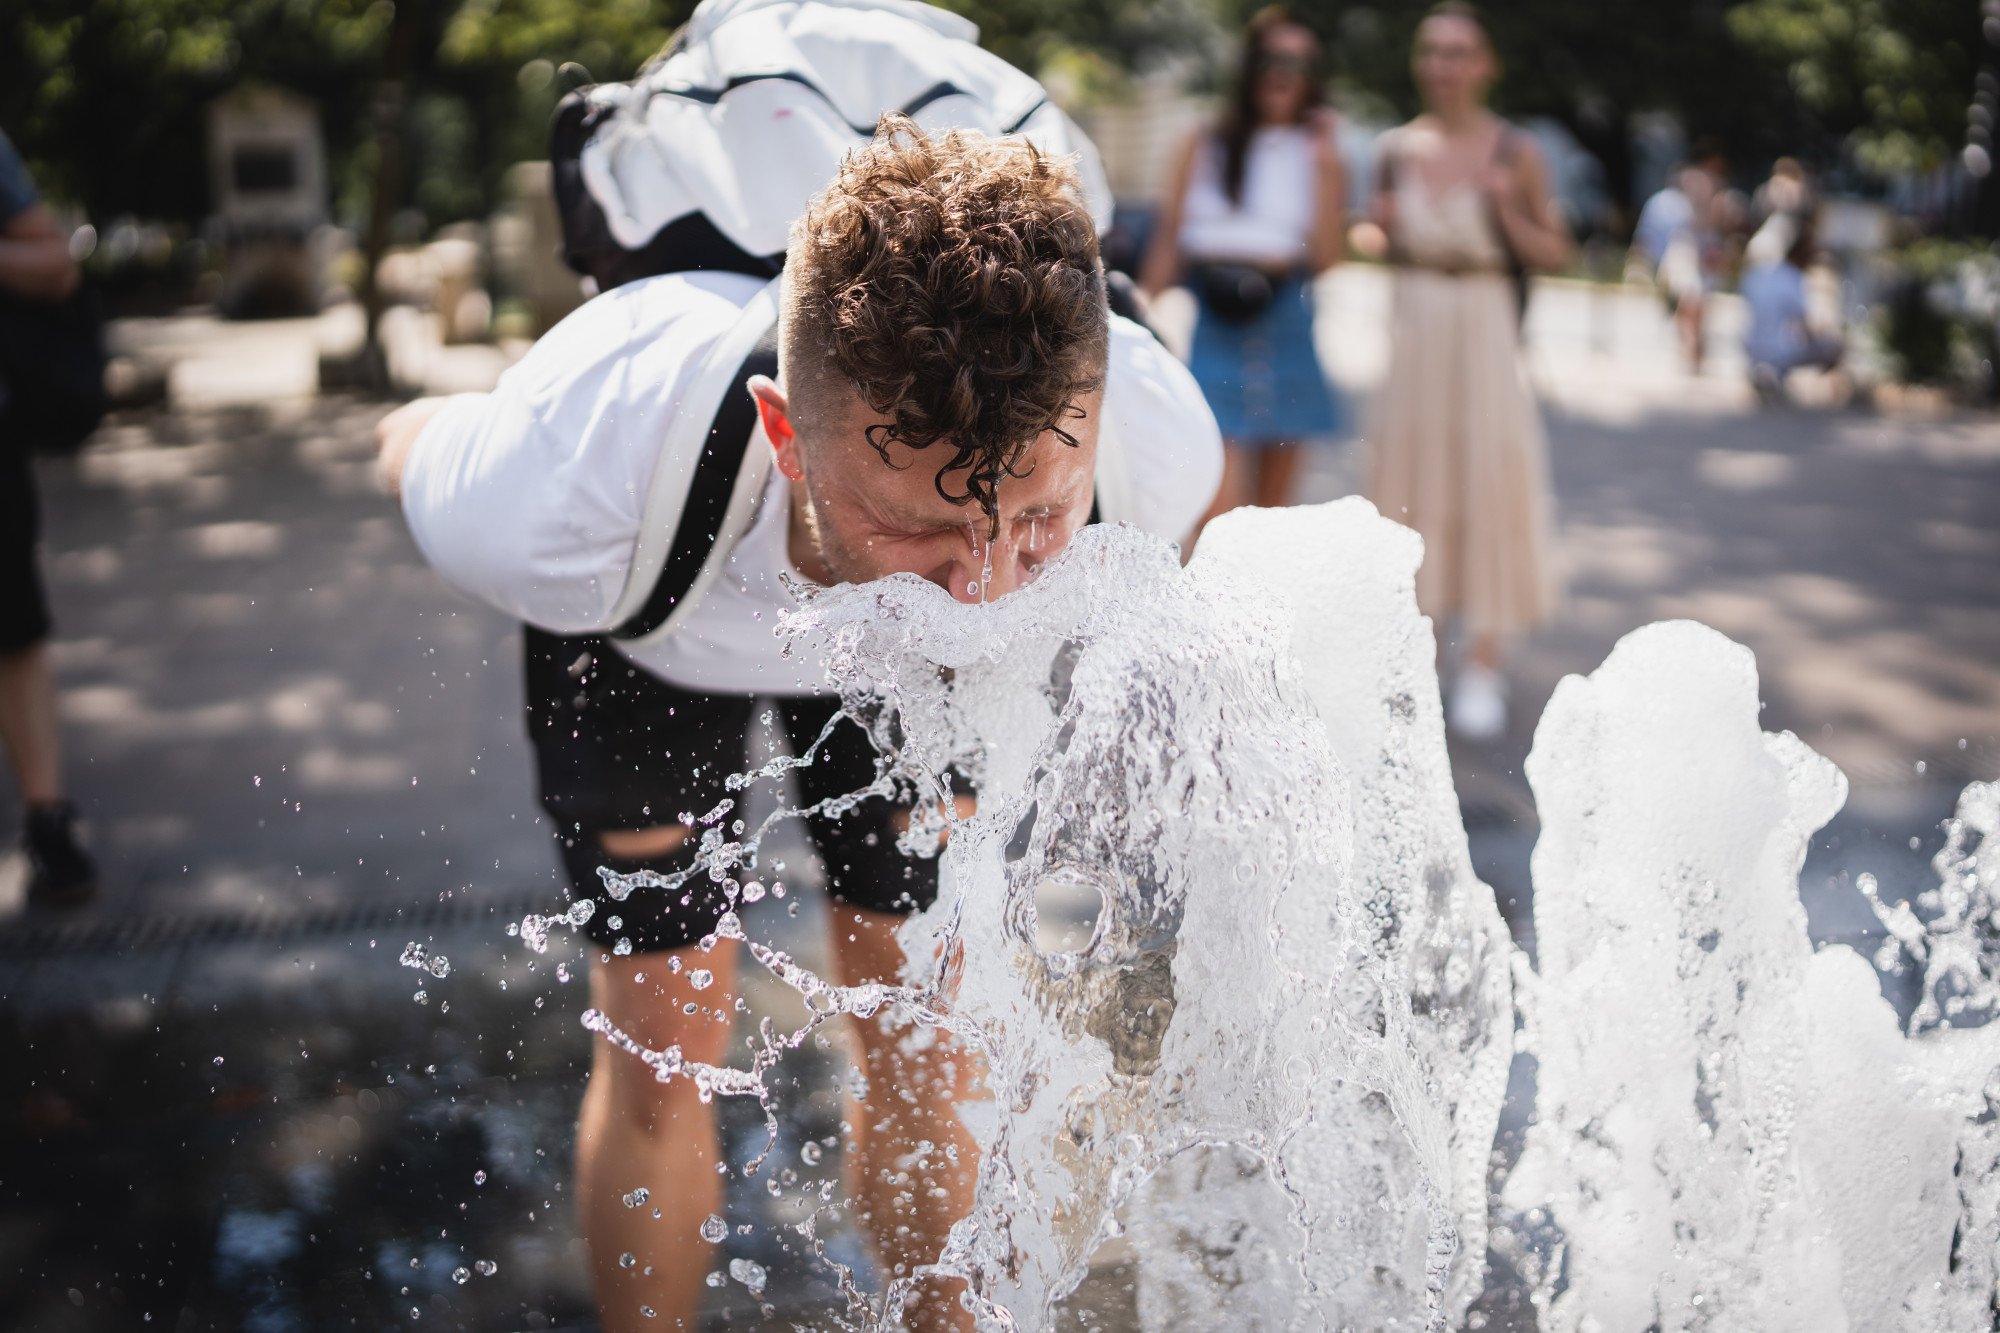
pixel 1172 447
pixel 530 498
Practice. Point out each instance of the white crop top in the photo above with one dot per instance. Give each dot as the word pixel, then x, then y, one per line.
pixel 1272 223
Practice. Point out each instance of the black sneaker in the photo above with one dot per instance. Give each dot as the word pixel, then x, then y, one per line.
pixel 63 873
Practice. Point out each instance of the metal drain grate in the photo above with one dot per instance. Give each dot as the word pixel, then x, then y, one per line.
pixel 131 934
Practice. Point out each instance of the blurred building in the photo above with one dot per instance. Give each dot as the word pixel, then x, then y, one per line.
pixel 267 173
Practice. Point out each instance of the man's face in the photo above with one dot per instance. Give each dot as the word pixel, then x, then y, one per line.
pixel 857 517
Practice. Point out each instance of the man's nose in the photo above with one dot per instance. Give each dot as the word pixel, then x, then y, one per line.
pixel 977 578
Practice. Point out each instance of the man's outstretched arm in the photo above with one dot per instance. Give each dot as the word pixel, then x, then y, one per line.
pixel 395 434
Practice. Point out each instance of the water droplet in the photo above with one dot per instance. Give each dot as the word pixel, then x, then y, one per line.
pixel 972 589
pixel 647 1311
pixel 562 971
pixel 615 922
pixel 218 1059
pixel 461 1275
pixel 753 892
pixel 718 1279
pixel 714 1229
pixel 701 978
pixel 627 1259
pixel 623 948
pixel 486 1267
pixel 637 1197
pixel 479 1177
pixel 810 1154
pixel 673 963
pixel 750 1274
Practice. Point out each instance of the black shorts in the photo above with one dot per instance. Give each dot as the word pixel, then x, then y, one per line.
pixel 24 607
pixel 616 747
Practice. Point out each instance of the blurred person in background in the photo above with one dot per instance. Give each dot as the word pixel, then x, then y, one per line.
pixel 1787 192
pixel 1252 214
pixel 1456 449
pixel 1683 234
pixel 1782 335
pixel 36 271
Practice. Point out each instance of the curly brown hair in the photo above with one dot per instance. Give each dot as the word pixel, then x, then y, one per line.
pixel 951 281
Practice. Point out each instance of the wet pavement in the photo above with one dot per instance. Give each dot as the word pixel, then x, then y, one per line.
pixel 299 751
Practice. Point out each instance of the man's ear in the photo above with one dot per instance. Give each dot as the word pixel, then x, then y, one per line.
pixel 775 415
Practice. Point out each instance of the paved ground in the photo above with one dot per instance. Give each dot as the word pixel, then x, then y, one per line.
pixel 298 751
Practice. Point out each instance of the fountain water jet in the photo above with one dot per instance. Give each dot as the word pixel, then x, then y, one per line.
pixel 1280 1055
pixel 1731 1133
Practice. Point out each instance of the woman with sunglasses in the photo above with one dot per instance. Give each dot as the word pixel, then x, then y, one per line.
pixel 1456 449
pixel 1253 212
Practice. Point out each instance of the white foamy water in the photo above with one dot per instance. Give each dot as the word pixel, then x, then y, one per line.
pixel 1731 1133
pixel 1279 1057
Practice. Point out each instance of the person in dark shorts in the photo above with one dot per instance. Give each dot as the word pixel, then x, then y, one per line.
pixel 35 266
pixel 943 298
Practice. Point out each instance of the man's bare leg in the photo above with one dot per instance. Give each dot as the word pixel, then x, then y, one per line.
pixel 28 723
pixel 637 1131
pixel 908 1195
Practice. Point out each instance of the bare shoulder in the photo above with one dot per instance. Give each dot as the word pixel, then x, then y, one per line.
pixel 1520 150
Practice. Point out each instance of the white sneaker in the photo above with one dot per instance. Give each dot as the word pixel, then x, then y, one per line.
pixel 1478 707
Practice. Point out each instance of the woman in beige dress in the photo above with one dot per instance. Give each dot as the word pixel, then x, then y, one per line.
pixel 1456 449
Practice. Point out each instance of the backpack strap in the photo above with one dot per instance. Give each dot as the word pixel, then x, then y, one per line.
pixel 708 480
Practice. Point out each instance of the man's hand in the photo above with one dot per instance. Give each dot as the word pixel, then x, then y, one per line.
pixel 395 434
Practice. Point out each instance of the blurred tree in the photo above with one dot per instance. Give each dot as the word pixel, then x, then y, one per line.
pixel 1592 66
pixel 1130 34
pixel 107 99
pixel 1891 77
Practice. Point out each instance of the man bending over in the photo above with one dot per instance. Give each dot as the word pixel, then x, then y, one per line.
pixel 952 398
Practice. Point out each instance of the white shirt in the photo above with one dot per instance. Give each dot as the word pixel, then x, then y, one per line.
pixel 1272 223
pixel 532 497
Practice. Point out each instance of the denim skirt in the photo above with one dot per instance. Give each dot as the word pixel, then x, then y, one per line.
pixel 1262 377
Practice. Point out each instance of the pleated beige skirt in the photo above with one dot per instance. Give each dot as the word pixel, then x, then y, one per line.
pixel 1456 451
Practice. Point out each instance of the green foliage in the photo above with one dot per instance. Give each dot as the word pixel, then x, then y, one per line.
pixel 611 38
pixel 1127 33
pixel 1939 321
pixel 108 99
pixel 1591 65
pixel 1896 75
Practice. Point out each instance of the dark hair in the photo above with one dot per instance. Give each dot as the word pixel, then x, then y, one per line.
pixel 1463 11
pixel 1239 122
pixel 952 281
pixel 1805 245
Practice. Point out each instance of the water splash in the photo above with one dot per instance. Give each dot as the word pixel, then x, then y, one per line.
pixel 1278 1056
pixel 1731 1133
pixel 1253 985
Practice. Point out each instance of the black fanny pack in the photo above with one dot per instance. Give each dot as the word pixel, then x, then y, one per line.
pixel 1237 293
